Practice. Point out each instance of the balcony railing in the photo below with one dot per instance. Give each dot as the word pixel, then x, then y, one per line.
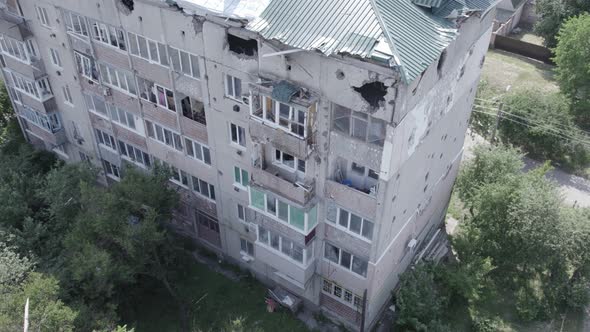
pixel 275 179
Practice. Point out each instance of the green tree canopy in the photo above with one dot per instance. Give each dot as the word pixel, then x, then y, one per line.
pixel 553 13
pixel 572 56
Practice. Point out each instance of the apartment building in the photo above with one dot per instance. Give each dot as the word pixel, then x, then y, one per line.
pixel 313 142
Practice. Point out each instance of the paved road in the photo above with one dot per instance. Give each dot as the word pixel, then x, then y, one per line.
pixel 575 190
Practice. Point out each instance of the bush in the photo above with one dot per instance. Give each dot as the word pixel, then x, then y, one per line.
pixel 420 300
pixel 484 323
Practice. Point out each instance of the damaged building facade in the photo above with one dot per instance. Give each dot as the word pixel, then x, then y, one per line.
pixel 313 142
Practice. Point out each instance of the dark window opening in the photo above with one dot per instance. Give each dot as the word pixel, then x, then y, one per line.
pixel 441 62
pixel 193 109
pixel 239 45
pixel 128 4
pixel 374 93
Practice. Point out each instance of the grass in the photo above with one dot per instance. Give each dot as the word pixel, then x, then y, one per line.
pixel 503 69
pixel 527 35
pixel 220 300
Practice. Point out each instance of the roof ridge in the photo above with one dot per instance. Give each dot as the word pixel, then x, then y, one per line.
pixel 390 41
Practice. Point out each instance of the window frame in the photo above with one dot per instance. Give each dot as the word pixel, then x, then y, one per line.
pixel 111 76
pixel 87 67
pixel 352 259
pixel 308 225
pixel 273 115
pixel 249 246
pixel 110 170
pixel 239 138
pixel 307 252
pixel 355 117
pixel 150 89
pixel 155 134
pixel 67 95
pixel 134 154
pixel 341 298
pixel 204 152
pixel 55 58
pixel 106 140
pixel 43 16
pixel 349 216
pixel 239 180
pixel 137 51
pixel 235 82
pixel 71 27
pixel 296 162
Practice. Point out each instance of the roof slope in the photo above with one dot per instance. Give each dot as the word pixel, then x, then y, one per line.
pixel 415 37
pixel 396 32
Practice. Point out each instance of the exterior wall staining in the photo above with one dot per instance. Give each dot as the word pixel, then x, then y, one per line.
pixel 415 167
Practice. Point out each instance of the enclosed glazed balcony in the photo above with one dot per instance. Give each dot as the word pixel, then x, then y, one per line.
pixel 284 114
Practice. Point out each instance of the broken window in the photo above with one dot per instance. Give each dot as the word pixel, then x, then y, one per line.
pixel 239 45
pixel 128 4
pixel 373 93
pixel 193 109
pixel 290 118
pixel 357 176
pixel 86 66
pixel 156 94
pixel 358 125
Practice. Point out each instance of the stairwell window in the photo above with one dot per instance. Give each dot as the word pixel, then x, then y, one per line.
pixel 241 177
pixel 238 135
pixel 42 16
pixel 67 95
pixel 55 59
pixel 233 87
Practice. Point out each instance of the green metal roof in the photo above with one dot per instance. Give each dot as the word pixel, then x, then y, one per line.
pixel 428 3
pixel 399 33
pixel 414 36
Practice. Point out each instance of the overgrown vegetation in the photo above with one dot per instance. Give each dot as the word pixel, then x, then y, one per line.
pixel 572 56
pixel 553 13
pixel 82 253
pixel 517 249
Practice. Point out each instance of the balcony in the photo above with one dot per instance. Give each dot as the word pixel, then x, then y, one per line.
pixel 54 138
pixel 14 26
pixel 286 185
pixel 344 195
pixel 283 114
pixel 34 70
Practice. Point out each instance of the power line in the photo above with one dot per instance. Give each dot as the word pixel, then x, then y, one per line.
pixel 556 134
pixel 558 128
pixel 563 127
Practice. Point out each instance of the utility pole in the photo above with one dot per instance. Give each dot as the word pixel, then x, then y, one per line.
pixel 498 118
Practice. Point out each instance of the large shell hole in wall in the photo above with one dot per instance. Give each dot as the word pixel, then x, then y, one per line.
pixel 248 47
pixel 373 93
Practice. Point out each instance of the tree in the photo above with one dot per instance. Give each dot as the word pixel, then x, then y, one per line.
pixel 420 300
pixel 572 56
pixel 119 236
pixel 46 311
pixel 518 223
pixel 553 13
